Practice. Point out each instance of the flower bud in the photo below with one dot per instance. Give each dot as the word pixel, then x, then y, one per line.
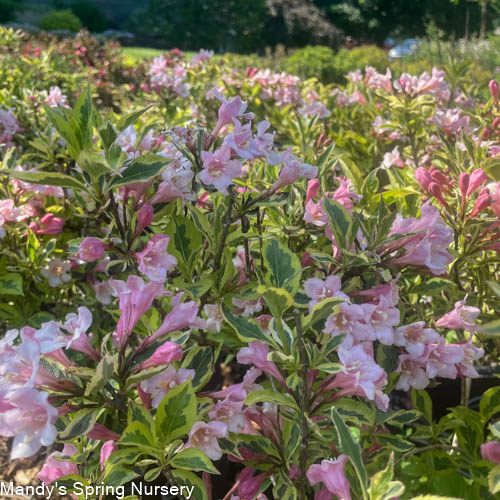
pixel 493 86
pixel 491 451
pixel 166 353
pixel 495 123
pixel 91 249
pixel 144 217
pixel 483 202
pixel 107 448
pixel 464 183
pixel 476 179
pixel 249 484
pixel 102 433
pixel 313 187
pixel 423 177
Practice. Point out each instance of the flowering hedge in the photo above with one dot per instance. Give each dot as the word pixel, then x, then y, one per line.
pixel 211 266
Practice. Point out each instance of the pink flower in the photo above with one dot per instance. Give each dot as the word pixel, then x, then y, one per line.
pixel 331 474
pixel 77 326
pixel 414 337
pixel 238 392
pixel 413 373
pixel 231 413
pixel 204 437
pixel 443 358
pixel 56 98
pixel 154 261
pixel 135 299
pixel 228 111
pixel 393 158
pixel 127 139
pixel 104 291
pixel 177 180
pixel 107 449
pixel 91 249
pixel 49 224
pixel 292 170
pixel 256 353
pixel 54 469
pixel 471 353
pixel 219 169
pixel 344 194
pixel 317 289
pixel 461 316
pixel 160 385
pixel 361 375
pixel 491 451
pixel 166 353
pixel 57 272
pixel 427 248
pixel 214 317
pixel 30 419
pixel 183 314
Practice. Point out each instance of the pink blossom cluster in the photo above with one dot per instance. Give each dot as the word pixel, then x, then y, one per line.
pixel 9 126
pixel 168 75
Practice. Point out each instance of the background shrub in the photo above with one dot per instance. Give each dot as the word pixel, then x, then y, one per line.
pixel 61 20
pixel 359 57
pixel 312 61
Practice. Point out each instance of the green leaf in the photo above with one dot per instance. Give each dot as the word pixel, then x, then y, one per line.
pixel 102 375
pixel 177 413
pixel 118 475
pixel 340 222
pixel 11 284
pixel 270 396
pixel 138 434
pixel 82 119
pixel 131 118
pixel 134 379
pixel 93 164
pixel 423 403
pixel 152 474
pixel 491 329
pixel 330 368
pixel 320 311
pixel 382 487
pixel 350 408
pixel 81 423
pixel 284 269
pixel 490 403
pixel 185 243
pixel 137 413
pixel 495 429
pixel 247 330
pixel 277 299
pixel 494 480
pixel 46 179
pixel 139 169
pixel 395 443
pixel 193 459
pixel 191 480
pixel 352 449
pixel 200 360
pixel 61 123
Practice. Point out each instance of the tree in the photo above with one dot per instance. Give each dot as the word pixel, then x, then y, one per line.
pixel 8 9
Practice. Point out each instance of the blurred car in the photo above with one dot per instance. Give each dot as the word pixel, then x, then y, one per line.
pixel 408 47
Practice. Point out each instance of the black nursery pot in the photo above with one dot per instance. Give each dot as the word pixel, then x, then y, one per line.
pixel 447 393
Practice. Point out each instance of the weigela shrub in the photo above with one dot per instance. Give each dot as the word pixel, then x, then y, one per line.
pixel 254 269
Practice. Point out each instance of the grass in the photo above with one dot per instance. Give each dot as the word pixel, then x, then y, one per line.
pixel 134 54
pixel 140 53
